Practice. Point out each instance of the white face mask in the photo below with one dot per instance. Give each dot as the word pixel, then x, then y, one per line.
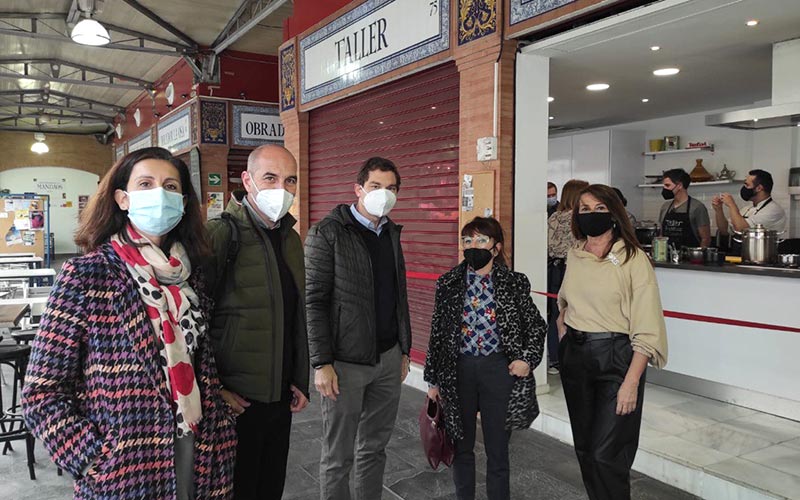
pixel 379 202
pixel 274 203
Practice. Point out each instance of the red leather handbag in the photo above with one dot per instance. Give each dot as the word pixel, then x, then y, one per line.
pixel 438 447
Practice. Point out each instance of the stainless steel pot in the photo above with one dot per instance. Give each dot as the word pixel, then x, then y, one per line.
pixel 646 231
pixel 694 255
pixel 759 245
pixel 789 259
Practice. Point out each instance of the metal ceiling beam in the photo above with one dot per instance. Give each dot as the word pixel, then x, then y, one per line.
pixel 51 62
pixel 56 35
pixel 50 116
pixel 45 127
pixel 109 84
pixel 45 105
pixel 247 16
pixel 164 24
pixel 68 98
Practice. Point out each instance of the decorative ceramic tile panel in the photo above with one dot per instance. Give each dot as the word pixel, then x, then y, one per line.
pixel 288 65
pixel 213 122
pixel 476 19
pixel 522 10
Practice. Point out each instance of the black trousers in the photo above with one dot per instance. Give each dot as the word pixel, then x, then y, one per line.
pixel 263 431
pixel 484 386
pixel 555 276
pixel 605 443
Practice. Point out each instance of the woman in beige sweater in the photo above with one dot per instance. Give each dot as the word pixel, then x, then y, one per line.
pixel 611 326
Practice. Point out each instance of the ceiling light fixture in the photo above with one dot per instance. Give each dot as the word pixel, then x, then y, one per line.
pixel 655 48
pixel 666 71
pixel 551 99
pixel 39 147
pixel 645 100
pixel 752 22
pixel 90 32
pixel 595 87
pixel 552 117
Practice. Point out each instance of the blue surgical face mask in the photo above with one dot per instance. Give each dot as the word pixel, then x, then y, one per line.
pixel 155 211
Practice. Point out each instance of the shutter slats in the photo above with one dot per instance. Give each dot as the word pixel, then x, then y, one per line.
pixel 414 123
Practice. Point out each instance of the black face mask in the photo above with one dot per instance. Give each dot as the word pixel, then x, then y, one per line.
pixel 477 258
pixel 667 194
pixel 747 193
pixel 595 223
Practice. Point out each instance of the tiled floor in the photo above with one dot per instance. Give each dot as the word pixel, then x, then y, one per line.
pixel 709 443
pixel 542 467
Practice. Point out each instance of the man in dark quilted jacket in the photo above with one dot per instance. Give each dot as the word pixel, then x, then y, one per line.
pixel 258 326
pixel 359 331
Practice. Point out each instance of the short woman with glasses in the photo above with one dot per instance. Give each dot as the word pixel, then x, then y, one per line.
pixel 487 336
pixel 122 387
pixel 611 326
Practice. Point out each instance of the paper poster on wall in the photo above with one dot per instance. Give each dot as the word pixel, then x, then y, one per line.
pixel 3 215
pixel 13 236
pixel 9 206
pixel 33 205
pixel 22 220
pixel 66 204
pixel 215 203
pixel 28 238
pixel 83 200
pixel 467 194
pixel 37 220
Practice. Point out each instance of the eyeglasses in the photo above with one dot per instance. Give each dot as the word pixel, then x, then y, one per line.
pixel 480 240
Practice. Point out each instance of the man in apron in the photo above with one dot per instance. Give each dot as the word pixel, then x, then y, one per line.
pixel 762 209
pixel 684 220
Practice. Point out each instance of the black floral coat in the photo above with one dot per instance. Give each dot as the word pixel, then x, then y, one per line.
pixel 522 333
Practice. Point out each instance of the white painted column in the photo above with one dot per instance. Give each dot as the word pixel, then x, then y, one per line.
pixel 530 181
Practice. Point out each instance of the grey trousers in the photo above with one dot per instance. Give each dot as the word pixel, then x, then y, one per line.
pixel 357 427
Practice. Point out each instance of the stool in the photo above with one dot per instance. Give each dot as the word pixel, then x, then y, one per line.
pixel 12 425
pixel 23 337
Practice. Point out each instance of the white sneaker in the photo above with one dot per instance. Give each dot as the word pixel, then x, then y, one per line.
pixel 552 370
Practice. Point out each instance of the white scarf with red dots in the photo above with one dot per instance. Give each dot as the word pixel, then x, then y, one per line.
pixel 173 309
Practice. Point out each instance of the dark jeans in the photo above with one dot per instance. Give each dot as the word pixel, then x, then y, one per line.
pixel 484 386
pixel 263 431
pixel 606 443
pixel 555 276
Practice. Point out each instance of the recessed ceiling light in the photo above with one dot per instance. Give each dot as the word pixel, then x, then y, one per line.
pixel 655 48
pixel 666 71
pixel 755 120
pixel 597 87
pixel 433 107
pixel 645 100
pixel 752 22
pixel 551 99
pixel 552 117
pixel 380 123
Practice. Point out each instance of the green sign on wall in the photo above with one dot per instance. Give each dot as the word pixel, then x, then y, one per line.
pixel 214 179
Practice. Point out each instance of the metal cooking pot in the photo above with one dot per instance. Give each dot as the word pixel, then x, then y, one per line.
pixel 646 231
pixel 694 255
pixel 759 245
pixel 790 259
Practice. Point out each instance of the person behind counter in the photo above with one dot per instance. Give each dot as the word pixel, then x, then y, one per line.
pixel 684 220
pixel 764 210
pixel 552 199
pixel 611 325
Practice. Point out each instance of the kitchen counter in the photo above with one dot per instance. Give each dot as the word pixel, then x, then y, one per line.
pixel 779 272
pixel 733 334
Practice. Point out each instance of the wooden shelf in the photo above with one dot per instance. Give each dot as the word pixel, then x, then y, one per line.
pixel 675 151
pixel 708 183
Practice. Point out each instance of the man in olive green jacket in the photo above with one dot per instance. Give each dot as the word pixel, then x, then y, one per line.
pixel 258 326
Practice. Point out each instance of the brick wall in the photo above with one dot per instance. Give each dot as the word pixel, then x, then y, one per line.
pixel 80 152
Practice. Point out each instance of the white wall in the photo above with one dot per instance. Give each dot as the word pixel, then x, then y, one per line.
pixel 530 207
pixel 63 220
pixel 774 150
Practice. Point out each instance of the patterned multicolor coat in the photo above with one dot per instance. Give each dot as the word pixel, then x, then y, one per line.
pixel 95 395
pixel 522 333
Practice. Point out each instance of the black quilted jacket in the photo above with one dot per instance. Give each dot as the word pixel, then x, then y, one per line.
pixel 522 333
pixel 340 302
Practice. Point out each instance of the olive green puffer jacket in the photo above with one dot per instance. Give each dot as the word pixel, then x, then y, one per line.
pixel 247 322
